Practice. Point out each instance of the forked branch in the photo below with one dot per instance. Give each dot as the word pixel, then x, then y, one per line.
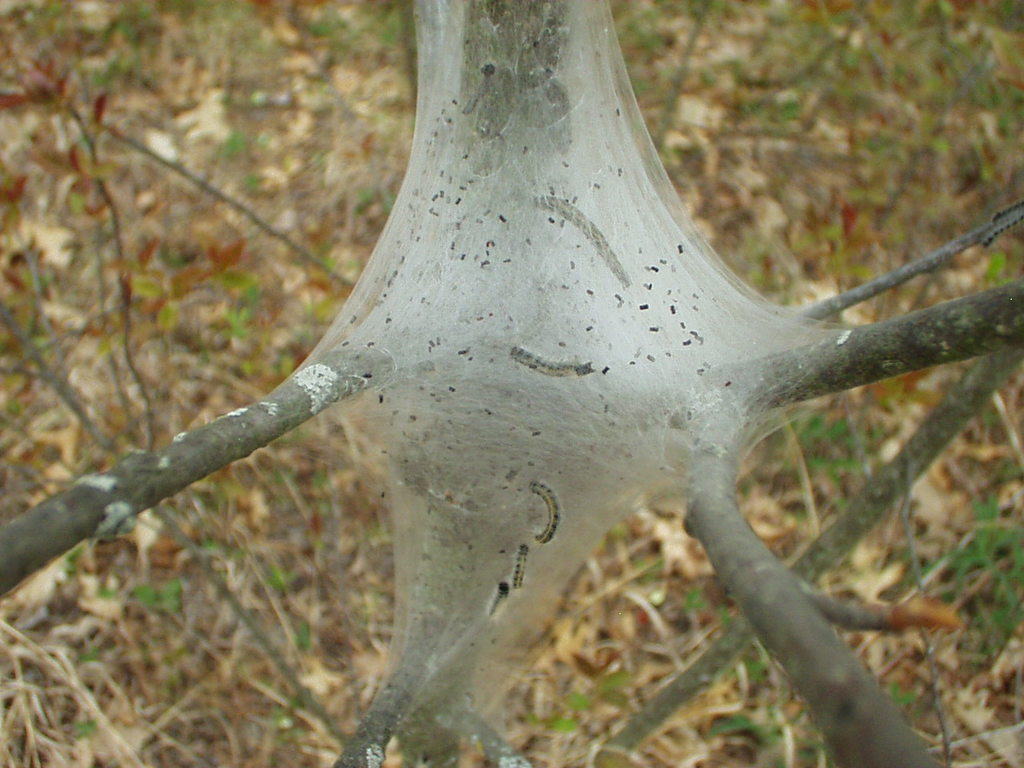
pixel 862 727
pixel 961 403
pixel 945 333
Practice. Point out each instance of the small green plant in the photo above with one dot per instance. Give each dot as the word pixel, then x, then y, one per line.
pixel 85 728
pixel 612 687
pixel 278 578
pixel 164 599
pixel 739 724
pixel 303 636
pixel 902 697
pixel 235 144
pixel 989 567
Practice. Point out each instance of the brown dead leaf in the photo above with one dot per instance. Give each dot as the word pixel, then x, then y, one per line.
pixel 925 612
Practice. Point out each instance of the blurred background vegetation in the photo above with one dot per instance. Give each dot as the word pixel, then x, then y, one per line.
pixel 817 143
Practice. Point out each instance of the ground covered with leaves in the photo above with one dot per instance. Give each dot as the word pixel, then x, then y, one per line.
pixel 188 190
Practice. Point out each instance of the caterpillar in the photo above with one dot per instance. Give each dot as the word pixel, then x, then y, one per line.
pixel 554 511
pixel 520 568
pixel 502 594
pixel 589 230
pixel 548 368
pixel 1004 220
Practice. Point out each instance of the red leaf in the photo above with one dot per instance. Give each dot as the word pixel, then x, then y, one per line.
pixel 99 107
pixel 228 256
pixel 75 160
pixel 146 254
pixel 849 219
pixel 9 100
pixel 11 193
pixel 14 279
pixel 41 82
pixel 125 279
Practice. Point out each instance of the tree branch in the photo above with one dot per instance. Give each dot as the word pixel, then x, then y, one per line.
pixel 861 726
pixel 106 504
pixel 946 333
pixel 887 485
pixel 890 482
pixel 54 378
pixel 984 234
pixel 240 207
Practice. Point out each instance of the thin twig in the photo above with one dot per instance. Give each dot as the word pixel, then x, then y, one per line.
pixel 32 257
pixel 679 78
pixel 921 612
pixel 54 378
pixel 100 261
pixel 933 667
pixel 126 309
pixel 984 234
pixel 240 207
pixel 262 639
pixel 963 87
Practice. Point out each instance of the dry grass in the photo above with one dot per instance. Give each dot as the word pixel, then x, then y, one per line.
pixel 820 143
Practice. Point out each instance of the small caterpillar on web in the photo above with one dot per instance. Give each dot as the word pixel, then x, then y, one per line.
pixel 554 511
pixel 549 368
pixel 518 572
pixel 502 594
pixel 589 230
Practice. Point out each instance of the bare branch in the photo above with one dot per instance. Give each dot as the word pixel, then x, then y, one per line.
pixel 887 485
pixel 862 727
pixel 929 646
pixel 916 612
pixel 961 403
pixel 243 209
pixel 126 309
pixel 930 262
pixel 366 747
pixel 946 333
pixel 106 504
pixel 53 377
pixel 675 88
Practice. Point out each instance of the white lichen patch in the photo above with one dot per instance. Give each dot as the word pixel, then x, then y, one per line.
pixel 236 412
pixel 318 382
pixel 179 437
pixel 843 338
pixel 105 483
pixel 269 407
pixel 164 463
pixel 513 762
pixel 374 756
pixel 118 519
